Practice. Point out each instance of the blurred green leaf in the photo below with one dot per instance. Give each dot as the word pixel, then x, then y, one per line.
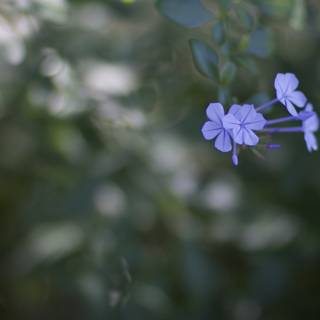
pixel 275 8
pixel 299 14
pixel 189 13
pixel 205 59
pixel 228 73
pixel 225 3
pixel 244 18
pixel 260 43
pixel 218 33
pixel 243 43
pixel 226 48
pixel 223 94
pixel 247 63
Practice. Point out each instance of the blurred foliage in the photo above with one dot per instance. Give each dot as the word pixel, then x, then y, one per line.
pixel 112 205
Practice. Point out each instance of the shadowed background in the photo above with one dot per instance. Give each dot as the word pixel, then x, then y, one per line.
pixel 112 204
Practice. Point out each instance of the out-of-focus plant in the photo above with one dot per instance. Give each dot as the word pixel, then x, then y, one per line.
pixel 239 128
pixel 231 36
pixel 238 36
pixel 111 206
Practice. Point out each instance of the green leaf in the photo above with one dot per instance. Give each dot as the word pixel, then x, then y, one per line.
pixel 299 15
pixel 228 73
pixel 226 48
pixel 275 8
pixel 260 43
pixel 205 59
pixel 248 63
pixel 257 153
pixel 189 13
pixel 223 94
pixel 225 3
pixel 218 33
pixel 244 18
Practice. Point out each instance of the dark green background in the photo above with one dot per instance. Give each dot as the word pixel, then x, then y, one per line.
pixel 112 204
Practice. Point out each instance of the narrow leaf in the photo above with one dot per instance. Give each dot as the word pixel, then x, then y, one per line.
pixel 218 33
pixel 228 73
pixel 188 13
pixel 205 59
pixel 260 43
pixel 244 18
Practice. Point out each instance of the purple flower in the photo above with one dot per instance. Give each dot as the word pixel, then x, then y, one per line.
pixel 243 124
pixel 286 85
pixel 310 125
pixel 242 120
pixel 214 129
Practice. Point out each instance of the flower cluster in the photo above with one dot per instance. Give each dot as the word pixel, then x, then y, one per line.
pixel 244 124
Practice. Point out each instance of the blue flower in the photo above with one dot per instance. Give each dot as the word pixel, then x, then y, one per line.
pixel 242 120
pixel 214 129
pixel 243 124
pixel 286 85
pixel 310 125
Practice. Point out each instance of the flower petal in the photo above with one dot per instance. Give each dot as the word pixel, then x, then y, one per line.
pixel 279 81
pixel 297 98
pixel 223 142
pixel 235 110
pixel 291 109
pixel 280 94
pixel 311 141
pixel 248 113
pixel 291 81
pixel 257 122
pixel 215 112
pixel 230 121
pixel 245 136
pixel 312 123
pixel 250 138
pixel 210 130
pixel 280 85
pixel 285 83
pixel 305 115
pixel 238 135
pixel 309 107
